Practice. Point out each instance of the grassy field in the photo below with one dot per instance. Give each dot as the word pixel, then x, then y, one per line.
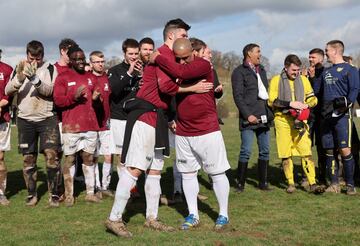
pixel 258 218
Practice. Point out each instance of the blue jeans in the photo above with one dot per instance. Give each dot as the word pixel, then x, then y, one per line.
pixel 263 141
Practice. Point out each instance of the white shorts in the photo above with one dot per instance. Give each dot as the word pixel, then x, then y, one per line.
pixel 103 143
pixel 117 131
pixel 141 153
pixel 207 151
pixel 74 142
pixel 5 132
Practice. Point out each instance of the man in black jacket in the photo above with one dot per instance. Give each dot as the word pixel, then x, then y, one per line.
pixel 124 82
pixel 249 83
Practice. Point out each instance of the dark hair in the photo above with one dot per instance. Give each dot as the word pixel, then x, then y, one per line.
pixel 292 59
pixel 248 48
pixel 66 43
pixel 197 44
pixel 175 24
pixel 317 51
pixel 347 58
pixel 146 40
pixel 129 43
pixel 337 44
pixel 35 48
pixel 73 49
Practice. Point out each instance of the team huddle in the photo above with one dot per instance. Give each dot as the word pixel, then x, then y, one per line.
pixel 153 100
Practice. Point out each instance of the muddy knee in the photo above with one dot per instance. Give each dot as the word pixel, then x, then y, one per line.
pixel 51 158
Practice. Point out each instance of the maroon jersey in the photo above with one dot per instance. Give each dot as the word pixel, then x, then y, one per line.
pixel 103 109
pixel 158 87
pixel 5 72
pixel 60 69
pixel 77 115
pixel 196 113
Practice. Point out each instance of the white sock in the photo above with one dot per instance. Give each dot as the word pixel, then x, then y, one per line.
pixel 97 177
pixel 221 188
pixel 72 171
pixel 177 179
pixel 106 171
pixel 191 190
pixel 152 194
pixel 126 182
pixel 89 174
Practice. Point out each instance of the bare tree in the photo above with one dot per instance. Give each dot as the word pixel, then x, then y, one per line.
pixel 230 60
pixel 114 60
pixel 216 58
pixel 266 63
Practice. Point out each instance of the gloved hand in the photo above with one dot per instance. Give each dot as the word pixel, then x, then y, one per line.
pixel 20 71
pixel 30 70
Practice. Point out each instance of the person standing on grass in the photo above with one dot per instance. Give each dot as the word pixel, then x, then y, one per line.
pixel 33 82
pixel 250 85
pixel 291 96
pixel 199 142
pixel 5 130
pixel 340 85
pixel 124 81
pixel 74 94
pixel 102 110
pixel 146 139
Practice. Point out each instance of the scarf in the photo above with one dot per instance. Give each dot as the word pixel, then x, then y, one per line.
pixel 262 94
pixel 285 91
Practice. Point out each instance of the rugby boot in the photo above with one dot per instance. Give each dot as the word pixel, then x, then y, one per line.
pixel 118 228
pixel 157 225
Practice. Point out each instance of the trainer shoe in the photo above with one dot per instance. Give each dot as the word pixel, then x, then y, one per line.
pixel 190 222
pixel 108 193
pixel 333 188
pixel 31 201
pixel 4 201
pixel 291 189
pixel 316 189
pixel 157 225
pixel 92 198
pixel 99 195
pixel 69 201
pixel 54 201
pixel 118 228
pixel 221 223
pixel 350 190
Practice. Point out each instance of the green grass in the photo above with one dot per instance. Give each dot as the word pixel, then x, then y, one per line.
pixel 258 218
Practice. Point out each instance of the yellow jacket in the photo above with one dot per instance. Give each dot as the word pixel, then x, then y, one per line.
pixel 310 99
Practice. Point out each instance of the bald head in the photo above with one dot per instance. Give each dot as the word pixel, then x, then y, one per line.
pixel 182 46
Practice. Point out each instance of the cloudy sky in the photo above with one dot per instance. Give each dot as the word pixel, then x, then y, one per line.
pixel 280 27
